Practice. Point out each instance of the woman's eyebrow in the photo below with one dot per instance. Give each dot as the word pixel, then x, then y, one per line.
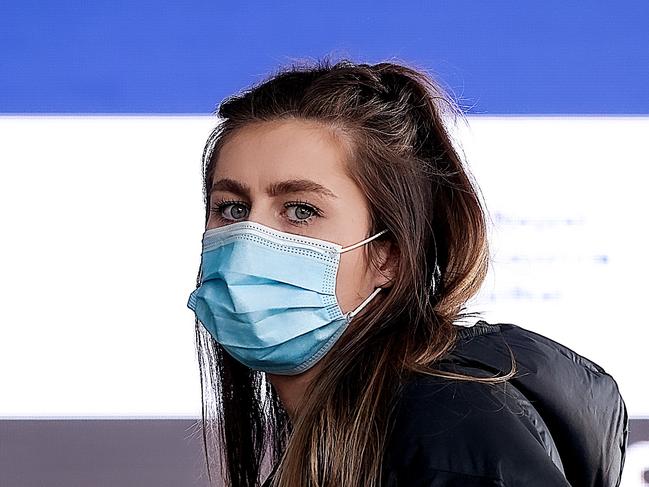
pixel 298 186
pixel 232 186
pixel 274 189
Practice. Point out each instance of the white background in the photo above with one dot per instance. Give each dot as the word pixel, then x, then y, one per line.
pixel 102 219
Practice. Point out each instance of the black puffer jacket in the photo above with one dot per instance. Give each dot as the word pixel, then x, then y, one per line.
pixel 560 422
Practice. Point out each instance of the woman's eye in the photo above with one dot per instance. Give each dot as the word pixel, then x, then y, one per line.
pixel 300 213
pixel 231 210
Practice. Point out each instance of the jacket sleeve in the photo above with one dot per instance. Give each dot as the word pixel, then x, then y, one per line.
pixel 456 433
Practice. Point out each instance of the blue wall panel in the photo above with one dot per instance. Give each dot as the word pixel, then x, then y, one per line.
pixel 499 57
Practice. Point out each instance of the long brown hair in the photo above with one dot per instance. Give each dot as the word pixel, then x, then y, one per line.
pixel 392 121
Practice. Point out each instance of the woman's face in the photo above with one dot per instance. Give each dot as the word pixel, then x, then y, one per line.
pixel 289 175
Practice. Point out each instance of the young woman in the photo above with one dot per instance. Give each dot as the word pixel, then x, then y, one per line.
pixel 343 237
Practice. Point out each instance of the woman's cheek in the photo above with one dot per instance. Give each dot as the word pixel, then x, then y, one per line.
pixel 350 281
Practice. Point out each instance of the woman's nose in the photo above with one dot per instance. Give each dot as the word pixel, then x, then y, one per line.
pixel 262 212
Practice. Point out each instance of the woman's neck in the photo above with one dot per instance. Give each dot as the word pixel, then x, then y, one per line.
pixel 291 388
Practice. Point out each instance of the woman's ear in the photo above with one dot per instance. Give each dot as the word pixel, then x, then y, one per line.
pixel 385 267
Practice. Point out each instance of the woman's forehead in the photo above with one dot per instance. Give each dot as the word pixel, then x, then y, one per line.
pixel 286 149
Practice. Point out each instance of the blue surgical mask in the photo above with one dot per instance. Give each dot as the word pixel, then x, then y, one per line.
pixel 268 297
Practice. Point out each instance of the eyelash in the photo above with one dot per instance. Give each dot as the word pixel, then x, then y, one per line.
pixel 221 204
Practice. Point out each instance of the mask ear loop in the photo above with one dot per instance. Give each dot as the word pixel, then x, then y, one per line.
pixel 362 242
pixel 350 314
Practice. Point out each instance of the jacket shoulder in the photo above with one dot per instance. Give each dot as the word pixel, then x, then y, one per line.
pixel 579 401
pixel 455 432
